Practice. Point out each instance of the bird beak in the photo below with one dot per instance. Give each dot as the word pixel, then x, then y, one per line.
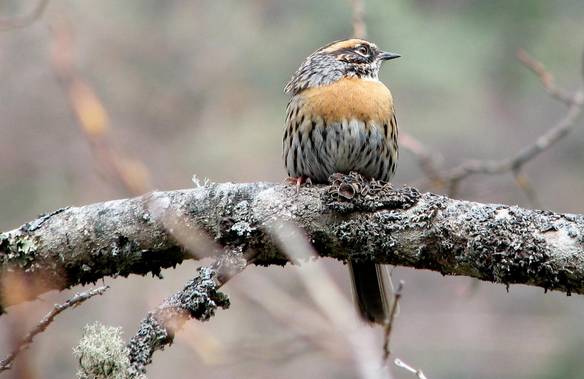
pixel 385 56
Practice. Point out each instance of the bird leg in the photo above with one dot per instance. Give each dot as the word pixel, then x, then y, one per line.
pixel 298 181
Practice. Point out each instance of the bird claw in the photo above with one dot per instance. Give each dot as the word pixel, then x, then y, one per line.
pixel 298 181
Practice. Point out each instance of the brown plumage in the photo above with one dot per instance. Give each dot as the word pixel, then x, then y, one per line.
pixel 341 118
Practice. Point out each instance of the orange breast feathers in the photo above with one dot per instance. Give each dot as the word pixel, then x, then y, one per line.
pixel 349 98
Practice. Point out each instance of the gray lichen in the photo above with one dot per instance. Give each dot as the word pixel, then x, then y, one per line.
pixel 199 299
pixel 102 354
pixel 350 219
pixel 17 251
pixel 349 193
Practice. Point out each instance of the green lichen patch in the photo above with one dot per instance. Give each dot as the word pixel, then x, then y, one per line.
pixel 17 251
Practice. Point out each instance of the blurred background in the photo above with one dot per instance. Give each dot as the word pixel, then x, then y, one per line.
pixel 108 99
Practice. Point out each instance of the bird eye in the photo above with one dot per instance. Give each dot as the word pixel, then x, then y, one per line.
pixel 363 50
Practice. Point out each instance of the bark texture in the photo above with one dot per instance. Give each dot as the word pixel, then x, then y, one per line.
pixel 199 299
pixel 349 219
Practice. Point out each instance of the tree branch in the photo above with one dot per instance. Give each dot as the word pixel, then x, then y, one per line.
pixel 349 219
pixel 451 178
pixel 198 299
pixel 515 163
pixel 74 301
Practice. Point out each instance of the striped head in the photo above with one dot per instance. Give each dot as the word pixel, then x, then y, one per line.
pixel 337 60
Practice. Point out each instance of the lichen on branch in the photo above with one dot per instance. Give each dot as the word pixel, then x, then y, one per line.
pixel 350 219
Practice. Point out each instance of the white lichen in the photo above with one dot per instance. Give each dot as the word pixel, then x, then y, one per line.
pixel 242 228
pixel 201 183
pixel 102 353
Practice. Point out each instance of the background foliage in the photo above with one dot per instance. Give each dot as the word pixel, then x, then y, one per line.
pixel 176 88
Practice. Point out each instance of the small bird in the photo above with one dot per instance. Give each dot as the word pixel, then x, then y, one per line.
pixel 341 118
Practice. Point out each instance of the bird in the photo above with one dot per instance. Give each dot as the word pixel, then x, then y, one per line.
pixel 340 119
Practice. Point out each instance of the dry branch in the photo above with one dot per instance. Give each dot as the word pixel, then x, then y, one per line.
pixel 515 163
pixel 450 179
pixel 126 174
pixel 429 161
pixel 347 220
pixel 198 300
pixel 73 302
pixel 389 326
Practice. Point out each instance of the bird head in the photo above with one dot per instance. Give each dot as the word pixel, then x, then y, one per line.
pixel 347 58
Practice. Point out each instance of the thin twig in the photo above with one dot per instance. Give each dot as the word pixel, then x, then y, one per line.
pixel 546 77
pixel 389 326
pixel 427 160
pixel 128 174
pixel 401 364
pixel 26 20
pixel 308 324
pixel 359 26
pixel 452 178
pixel 515 163
pixel 327 296
pixel 523 182
pixel 74 301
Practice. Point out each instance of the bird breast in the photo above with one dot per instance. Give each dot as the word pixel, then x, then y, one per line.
pixel 349 98
pixel 346 126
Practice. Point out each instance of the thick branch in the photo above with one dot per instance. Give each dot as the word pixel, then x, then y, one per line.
pixel 349 219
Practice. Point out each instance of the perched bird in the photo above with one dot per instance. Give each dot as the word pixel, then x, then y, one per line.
pixel 341 118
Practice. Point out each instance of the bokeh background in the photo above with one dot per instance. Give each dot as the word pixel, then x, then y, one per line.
pixel 106 99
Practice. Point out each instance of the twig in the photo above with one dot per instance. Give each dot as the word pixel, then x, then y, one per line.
pixel 24 21
pixel 307 322
pixel 359 26
pixel 546 77
pixel 452 178
pixel 515 163
pixel 389 326
pixel 74 301
pixel 427 160
pixel 327 296
pixel 128 174
pixel 523 182
pixel 401 364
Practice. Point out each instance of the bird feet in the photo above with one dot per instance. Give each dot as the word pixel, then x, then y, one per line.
pixel 298 181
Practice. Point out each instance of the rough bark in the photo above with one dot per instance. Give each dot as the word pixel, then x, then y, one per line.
pixel 199 299
pixel 348 219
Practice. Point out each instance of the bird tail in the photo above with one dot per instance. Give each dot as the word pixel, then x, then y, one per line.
pixel 371 289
